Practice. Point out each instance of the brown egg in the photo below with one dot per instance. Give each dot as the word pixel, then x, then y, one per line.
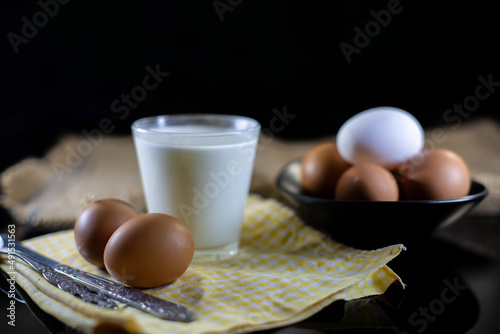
pixel 437 174
pixel 367 182
pixel 321 168
pixel 96 224
pixel 149 250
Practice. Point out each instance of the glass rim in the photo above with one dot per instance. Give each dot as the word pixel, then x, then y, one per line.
pixel 139 124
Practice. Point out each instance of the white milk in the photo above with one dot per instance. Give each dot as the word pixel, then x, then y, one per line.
pixel 204 186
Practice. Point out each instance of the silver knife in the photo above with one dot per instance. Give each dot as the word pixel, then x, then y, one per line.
pixel 92 288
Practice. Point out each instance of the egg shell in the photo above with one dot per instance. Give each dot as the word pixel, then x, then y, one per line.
pixel 437 174
pixel 367 182
pixel 385 136
pixel 95 225
pixel 149 250
pixel 321 168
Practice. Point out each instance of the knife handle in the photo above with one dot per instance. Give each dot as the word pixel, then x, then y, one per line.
pixel 130 296
pixel 64 283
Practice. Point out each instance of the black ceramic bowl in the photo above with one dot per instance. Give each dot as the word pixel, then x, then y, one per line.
pixel 371 224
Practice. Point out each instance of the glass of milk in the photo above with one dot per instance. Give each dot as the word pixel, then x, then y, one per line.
pixel 198 168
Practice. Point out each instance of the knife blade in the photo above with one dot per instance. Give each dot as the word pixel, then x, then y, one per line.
pixel 68 278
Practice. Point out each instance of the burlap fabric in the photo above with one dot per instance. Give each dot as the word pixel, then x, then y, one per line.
pixel 49 192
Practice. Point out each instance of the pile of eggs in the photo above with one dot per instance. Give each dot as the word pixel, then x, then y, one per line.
pixel 141 250
pixel 378 156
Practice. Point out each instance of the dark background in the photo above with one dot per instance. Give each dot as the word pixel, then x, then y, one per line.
pixel 262 55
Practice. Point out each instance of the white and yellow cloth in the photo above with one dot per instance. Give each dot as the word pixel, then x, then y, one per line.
pixel 285 272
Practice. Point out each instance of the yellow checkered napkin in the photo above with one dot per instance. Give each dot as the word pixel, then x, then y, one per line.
pixel 285 272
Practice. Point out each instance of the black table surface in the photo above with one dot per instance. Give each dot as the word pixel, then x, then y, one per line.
pixel 448 290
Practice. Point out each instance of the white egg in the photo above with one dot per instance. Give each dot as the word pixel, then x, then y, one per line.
pixel 386 136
